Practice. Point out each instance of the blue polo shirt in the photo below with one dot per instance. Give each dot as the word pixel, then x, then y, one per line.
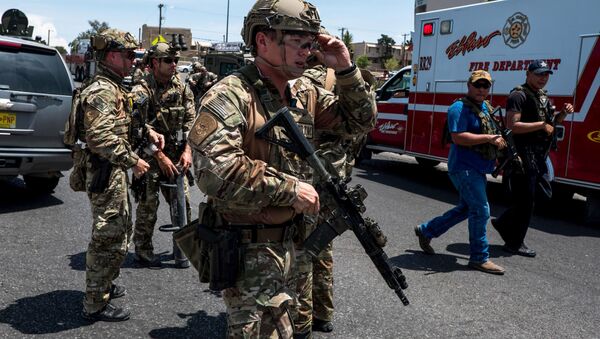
pixel 462 119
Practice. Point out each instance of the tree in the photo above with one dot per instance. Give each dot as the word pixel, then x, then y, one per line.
pixel 347 39
pixel 385 44
pixel 97 27
pixel 363 61
pixel 61 50
pixel 391 64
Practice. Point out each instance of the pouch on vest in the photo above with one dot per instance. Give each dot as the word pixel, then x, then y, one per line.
pixel 446 135
pixel 195 240
pixel 215 254
pixel 74 123
pixel 78 174
pixel 73 133
pixel 195 249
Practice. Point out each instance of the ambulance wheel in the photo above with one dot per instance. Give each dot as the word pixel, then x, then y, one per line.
pixel 429 163
pixel 591 213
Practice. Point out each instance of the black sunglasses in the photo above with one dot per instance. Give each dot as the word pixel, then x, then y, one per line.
pixel 481 84
pixel 170 60
pixel 129 54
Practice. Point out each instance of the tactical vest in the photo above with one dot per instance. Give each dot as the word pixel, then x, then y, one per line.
pixel 123 107
pixel 538 138
pixel 540 98
pixel 280 158
pixel 166 112
pixel 487 150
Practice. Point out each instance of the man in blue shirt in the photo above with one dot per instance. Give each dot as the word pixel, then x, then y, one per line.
pixel 475 142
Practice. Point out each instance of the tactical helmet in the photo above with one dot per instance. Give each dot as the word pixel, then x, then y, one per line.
pixel 323 31
pixel 284 15
pixel 113 39
pixel 162 50
pixel 196 66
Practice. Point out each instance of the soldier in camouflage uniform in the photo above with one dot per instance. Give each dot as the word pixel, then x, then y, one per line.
pixel 261 190
pixel 201 81
pixel 170 111
pixel 316 302
pixel 107 110
pixel 139 71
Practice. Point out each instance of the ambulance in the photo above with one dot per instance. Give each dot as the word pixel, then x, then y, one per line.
pixel 501 37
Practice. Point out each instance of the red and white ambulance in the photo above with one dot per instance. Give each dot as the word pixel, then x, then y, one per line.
pixel 502 37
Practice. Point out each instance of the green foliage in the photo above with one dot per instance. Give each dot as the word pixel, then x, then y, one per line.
pixel 97 27
pixel 61 50
pixel 391 64
pixel 347 39
pixel 363 61
pixel 385 46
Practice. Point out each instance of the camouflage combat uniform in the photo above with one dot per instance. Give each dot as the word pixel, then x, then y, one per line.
pixel 138 75
pixel 202 79
pixel 107 110
pixel 249 181
pixel 171 112
pixel 316 298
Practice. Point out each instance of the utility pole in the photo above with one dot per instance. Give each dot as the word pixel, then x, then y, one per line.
pixel 227 26
pixel 342 29
pixel 48 41
pixel 404 49
pixel 160 18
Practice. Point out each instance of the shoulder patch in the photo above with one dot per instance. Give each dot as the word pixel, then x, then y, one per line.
pixel 100 104
pixel 219 104
pixel 204 126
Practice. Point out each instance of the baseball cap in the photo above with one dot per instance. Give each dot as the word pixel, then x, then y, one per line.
pixel 539 67
pixel 480 74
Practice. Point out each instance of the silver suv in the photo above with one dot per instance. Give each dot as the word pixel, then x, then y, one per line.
pixel 35 101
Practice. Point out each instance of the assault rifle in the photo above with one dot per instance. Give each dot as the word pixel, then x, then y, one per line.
pixel 178 213
pixel 507 134
pixel 552 139
pixel 139 142
pixel 348 209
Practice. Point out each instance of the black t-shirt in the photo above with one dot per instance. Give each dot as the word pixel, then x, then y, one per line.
pixel 518 101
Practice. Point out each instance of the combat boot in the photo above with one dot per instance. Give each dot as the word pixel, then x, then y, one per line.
pixel 303 335
pixel 109 313
pixel 322 325
pixel 116 291
pixel 147 261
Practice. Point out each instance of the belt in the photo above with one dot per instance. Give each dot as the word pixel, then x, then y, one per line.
pixel 264 233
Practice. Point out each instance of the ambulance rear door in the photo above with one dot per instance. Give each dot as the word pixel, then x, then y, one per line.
pixel 420 116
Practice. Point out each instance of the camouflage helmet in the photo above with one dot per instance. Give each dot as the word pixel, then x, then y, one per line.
pixel 162 50
pixel 284 15
pixel 113 39
pixel 197 66
pixel 323 31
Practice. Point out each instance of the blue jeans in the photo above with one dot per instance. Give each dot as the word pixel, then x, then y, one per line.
pixel 473 204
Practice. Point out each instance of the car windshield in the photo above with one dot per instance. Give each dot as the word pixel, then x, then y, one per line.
pixel 34 71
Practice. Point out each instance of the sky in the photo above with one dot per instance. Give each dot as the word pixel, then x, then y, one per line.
pixel 63 20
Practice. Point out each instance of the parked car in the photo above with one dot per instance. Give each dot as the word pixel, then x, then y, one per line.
pixel 35 101
pixel 184 68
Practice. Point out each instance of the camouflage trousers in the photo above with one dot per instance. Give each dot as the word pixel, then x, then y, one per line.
pixel 111 232
pixel 258 307
pixel 146 212
pixel 314 287
pixel 303 277
pixel 322 285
